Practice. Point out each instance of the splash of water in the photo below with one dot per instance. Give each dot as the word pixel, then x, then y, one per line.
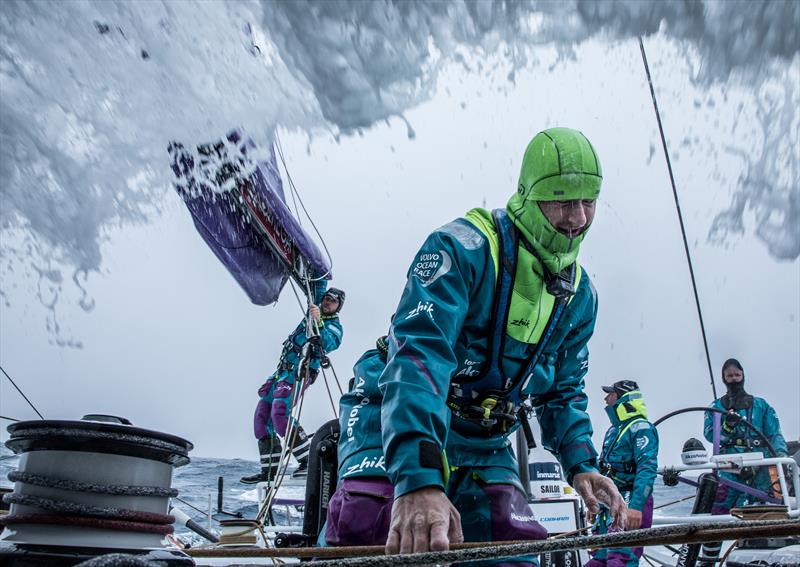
pixel 93 90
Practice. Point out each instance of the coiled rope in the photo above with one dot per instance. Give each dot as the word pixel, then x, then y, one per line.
pixel 75 486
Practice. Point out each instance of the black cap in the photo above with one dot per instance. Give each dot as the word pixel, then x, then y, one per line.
pixel 336 294
pixel 621 387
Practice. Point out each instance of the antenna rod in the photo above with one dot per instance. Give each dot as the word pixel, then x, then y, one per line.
pixel 680 216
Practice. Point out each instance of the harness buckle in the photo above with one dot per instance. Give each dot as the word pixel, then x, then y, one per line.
pixel 488 405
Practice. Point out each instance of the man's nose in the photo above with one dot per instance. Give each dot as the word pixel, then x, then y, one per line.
pixel 576 216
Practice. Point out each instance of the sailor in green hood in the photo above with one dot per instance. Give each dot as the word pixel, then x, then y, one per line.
pixel 496 311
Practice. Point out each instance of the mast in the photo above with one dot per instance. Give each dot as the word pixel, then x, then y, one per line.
pixel 680 216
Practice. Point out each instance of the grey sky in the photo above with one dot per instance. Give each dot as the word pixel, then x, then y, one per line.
pixel 174 345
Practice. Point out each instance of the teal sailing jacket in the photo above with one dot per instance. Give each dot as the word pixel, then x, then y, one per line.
pixel 630 449
pixel 360 447
pixel 330 334
pixel 742 439
pixel 439 337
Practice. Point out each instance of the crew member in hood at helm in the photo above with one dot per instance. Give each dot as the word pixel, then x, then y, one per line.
pixel 629 458
pixel 736 437
pixel 496 310
pixel 278 394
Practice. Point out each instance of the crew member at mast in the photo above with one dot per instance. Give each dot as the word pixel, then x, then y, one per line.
pixel 278 394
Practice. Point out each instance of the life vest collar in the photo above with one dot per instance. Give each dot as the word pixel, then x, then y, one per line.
pixel 629 406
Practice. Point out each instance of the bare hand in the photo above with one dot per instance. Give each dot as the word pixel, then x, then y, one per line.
pixel 313 310
pixel 634 519
pixel 593 488
pixel 423 520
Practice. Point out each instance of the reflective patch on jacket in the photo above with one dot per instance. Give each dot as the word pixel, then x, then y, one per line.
pixel 466 235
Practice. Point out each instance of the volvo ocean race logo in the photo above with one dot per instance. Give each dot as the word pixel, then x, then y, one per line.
pixel 430 266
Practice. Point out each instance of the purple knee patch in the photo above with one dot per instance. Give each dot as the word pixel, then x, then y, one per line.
pixel 261 419
pixel 359 512
pixel 280 417
pixel 281 406
pixel 512 518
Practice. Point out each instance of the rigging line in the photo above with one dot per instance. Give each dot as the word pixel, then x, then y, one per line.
pixel 9 418
pixel 21 392
pixel 291 186
pixel 297 295
pixel 338 384
pixel 330 396
pixel 286 452
pixel 203 512
pixel 680 215
pixel 302 204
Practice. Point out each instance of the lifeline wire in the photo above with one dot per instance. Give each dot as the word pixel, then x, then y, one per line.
pixel 195 508
pixel 21 392
pixel 680 216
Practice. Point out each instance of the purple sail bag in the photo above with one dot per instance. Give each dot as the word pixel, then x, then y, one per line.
pixel 237 204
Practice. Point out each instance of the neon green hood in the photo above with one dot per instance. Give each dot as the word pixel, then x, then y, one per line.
pixel 559 164
pixel 628 406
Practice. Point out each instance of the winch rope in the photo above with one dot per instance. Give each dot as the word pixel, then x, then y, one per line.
pixel 76 486
pixel 30 403
pixel 373 556
pixel 680 215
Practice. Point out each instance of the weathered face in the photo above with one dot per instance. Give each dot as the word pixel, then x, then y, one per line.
pixel 611 398
pixel 570 218
pixel 329 304
pixel 732 375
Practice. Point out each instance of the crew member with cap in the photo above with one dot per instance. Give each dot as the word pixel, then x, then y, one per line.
pixel 277 394
pixel 629 458
pixel 736 437
pixel 496 310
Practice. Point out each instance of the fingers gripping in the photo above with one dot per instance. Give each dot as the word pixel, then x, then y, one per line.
pixel 419 528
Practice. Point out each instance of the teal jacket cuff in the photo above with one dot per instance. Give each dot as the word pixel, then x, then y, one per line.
pixel 420 479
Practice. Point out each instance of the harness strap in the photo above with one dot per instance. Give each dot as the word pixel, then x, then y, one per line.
pixel 495 406
pixel 618 467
